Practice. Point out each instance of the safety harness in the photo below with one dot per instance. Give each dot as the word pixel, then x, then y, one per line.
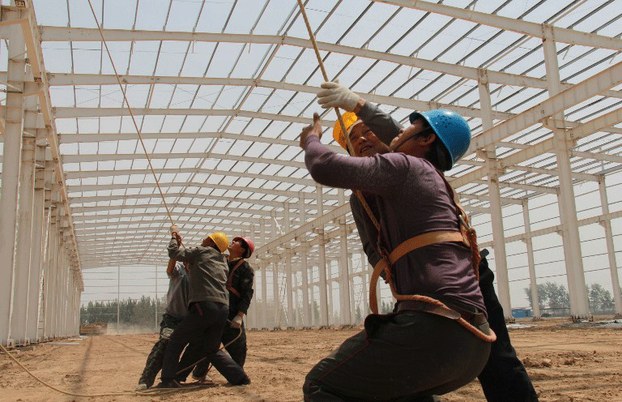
pixel 230 287
pixel 466 235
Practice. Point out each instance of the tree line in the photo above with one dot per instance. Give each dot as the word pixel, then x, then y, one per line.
pixel 130 311
pixel 554 300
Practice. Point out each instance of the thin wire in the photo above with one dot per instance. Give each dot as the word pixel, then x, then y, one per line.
pixel 129 108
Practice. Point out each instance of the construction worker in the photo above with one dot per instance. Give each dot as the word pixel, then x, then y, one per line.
pixel 208 308
pixel 176 310
pixel 240 287
pixel 504 377
pixel 439 338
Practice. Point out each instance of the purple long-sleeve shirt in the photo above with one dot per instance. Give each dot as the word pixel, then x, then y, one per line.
pixel 412 199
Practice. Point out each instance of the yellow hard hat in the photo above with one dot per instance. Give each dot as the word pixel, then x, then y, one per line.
pixel 350 119
pixel 221 240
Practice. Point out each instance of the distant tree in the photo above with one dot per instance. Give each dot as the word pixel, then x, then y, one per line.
pixel 135 312
pixel 316 312
pixel 551 297
pixel 358 316
pixel 600 299
pixel 540 293
pixel 386 307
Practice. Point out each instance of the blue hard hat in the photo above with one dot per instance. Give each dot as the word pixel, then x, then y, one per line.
pixel 450 128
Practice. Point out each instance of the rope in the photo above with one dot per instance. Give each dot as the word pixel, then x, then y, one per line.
pixel 357 193
pixel 71 393
pixel 205 357
pixel 131 112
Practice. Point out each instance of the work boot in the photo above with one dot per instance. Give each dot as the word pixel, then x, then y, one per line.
pixel 244 381
pixel 203 379
pixel 141 387
pixel 169 384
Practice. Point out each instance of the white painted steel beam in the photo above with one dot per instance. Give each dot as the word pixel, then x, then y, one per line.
pixel 11 165
pixel 39 225
pixel 611 251
pixel 579 307
pixel 138 218
pixel 414 104
pixel 532 29
pixel 63 34
pixel 556 103
pixel 595 125
pixel 32 38
pixel 189 155
pixel 496 210
pixel 533 284
pixel 23 246
pixel 99 137
pixel 81 174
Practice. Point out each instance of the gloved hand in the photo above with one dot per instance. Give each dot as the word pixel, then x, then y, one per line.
pixel 336 95
pixel 236 322
pixel 174 229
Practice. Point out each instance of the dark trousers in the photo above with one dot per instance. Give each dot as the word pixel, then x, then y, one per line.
pixel 234 340
pixel 202 327
pixel 156 356
pixel 504 379
pixel 399 357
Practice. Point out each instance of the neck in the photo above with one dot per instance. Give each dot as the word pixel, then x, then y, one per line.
pixel 234 257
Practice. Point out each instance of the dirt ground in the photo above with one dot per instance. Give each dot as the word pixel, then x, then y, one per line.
pixel 567 362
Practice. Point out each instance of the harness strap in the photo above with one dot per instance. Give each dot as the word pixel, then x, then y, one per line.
pixel 425 239
pixel 465 227
pixel 230 287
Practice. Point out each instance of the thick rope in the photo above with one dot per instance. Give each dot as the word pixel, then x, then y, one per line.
pixel 131 112
pixel 357 193
pixel 75 394
pixel 205 357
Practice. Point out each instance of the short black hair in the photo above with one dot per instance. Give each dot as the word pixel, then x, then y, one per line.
pixel 437 155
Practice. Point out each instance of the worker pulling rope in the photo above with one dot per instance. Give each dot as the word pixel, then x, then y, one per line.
pixel 466 235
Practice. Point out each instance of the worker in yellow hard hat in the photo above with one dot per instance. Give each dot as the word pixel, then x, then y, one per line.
pixel 208 308
pixel 363 141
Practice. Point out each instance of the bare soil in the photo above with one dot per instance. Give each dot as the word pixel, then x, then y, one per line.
pixel 567 362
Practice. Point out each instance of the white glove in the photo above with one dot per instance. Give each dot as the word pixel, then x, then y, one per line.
pixel 236 322
pixel 336 95
pixel 174 229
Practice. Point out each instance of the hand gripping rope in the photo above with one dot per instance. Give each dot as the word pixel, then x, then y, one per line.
pixel 466 235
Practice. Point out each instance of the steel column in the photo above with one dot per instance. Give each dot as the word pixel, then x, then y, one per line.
pixel 344 276
pixel 496 210
pixel 533 283
pixel 306 305
pixel 579 308
pixel 11 164
pixel 38 237
pixel 611 251
pixel 323 280
pixel 24 246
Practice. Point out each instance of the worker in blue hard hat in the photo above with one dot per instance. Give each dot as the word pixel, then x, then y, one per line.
pixel 504 376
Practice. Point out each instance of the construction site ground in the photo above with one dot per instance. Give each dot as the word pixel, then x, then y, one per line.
pixel 566 361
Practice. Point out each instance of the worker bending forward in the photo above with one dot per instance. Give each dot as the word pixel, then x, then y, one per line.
pixel 417 351
pixel 208 309
pixel 240 286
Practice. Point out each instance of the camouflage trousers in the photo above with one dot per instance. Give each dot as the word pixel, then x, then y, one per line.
pixel 155 358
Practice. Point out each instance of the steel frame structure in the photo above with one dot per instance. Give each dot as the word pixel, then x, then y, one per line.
pixel 539 84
